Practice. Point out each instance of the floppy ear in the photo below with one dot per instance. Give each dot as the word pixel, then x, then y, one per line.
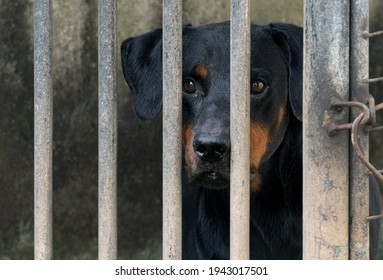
pixel 290 39
pixel 141 59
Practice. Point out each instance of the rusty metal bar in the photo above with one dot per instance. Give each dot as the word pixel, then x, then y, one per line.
pixel 172 129
pixel 43 130
pixel 374 80
pixel 107 133
pixel 372 34
pixel 240 130
pixel 359 90
pixel 325 158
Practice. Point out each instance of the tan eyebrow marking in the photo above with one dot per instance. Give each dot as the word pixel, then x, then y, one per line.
pixel 201 71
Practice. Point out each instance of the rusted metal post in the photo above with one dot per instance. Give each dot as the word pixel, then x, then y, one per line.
pixel 172 129
pixel 325 158
pixel 240 130
pixel 43 130
pixel 359 179
pixel 107 133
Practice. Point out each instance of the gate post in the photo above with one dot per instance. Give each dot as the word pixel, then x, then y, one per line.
pixel 325 158
pixel 359 179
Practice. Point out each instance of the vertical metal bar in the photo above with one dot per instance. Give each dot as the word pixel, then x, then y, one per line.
pixel 240 129
pixel 359 180
pixel 107 153
pixel 172 129
pixel 325 158
pixel 43 130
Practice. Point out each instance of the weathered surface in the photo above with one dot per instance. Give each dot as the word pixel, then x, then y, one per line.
pixel 43 130
pixel 359 90
pixel 172 130
pixel 239 126
pixel 325 158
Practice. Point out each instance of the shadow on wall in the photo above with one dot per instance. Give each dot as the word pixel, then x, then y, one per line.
pixel 76 126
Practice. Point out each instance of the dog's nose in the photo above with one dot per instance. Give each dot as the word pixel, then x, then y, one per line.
pixel 211 148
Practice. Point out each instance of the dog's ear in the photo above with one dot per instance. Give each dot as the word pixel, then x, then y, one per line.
pixel 141 59
pixel 290 39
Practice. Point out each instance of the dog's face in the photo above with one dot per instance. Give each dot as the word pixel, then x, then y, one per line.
pixel 274 92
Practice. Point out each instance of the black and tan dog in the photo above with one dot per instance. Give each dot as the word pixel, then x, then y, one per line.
pixel 276 135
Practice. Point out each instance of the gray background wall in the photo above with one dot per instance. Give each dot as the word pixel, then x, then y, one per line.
pixel 75 124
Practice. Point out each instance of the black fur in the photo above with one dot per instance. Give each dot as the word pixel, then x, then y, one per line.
pixel 276 200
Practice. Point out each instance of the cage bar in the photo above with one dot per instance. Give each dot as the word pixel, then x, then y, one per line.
pixel 325 158
pixel 240 130
pixel 43 130
pixel 359 89
pixel 107 153
pixel 172 129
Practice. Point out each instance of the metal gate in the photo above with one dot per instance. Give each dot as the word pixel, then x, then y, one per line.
pixel 326 213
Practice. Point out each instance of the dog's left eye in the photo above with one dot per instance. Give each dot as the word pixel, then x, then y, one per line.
pixel 258 87
pixel 189 86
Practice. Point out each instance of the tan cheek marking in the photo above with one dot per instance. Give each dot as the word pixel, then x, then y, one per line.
pixel 259 138
pixel 187 140
pixel 281 113
pixel 256 183
pixel 202 71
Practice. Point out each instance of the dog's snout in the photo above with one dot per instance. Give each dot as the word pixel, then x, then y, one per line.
pixel 211 148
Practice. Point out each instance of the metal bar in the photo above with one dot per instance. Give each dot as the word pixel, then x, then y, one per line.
pixel 172 129
pixel 374 80
pixel 107 133
pixel 240 130
pixel 325 158
pixel 43 130
pixel 359 179
pixel 373 34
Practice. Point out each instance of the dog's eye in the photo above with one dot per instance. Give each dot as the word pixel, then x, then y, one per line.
pixel 258 87
pixel 189 86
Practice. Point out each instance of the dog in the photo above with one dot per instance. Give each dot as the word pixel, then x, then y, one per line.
pixel 275 135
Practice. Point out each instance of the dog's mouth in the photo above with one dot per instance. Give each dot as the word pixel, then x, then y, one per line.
pixel 217 180
pixel 212 179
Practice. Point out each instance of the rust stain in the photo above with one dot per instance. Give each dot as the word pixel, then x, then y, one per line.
pixel 202 71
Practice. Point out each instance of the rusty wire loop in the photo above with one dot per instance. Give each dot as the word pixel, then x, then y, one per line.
pixel 373 34
pixel 368 35
pixel 374 80
pixel 338 104
pixel 368 116
pixel 354 139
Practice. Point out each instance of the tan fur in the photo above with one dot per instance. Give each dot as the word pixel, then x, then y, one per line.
pixel 259 139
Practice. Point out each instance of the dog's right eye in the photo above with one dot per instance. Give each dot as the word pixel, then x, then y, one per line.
pixel 258 87
pixel 189 86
